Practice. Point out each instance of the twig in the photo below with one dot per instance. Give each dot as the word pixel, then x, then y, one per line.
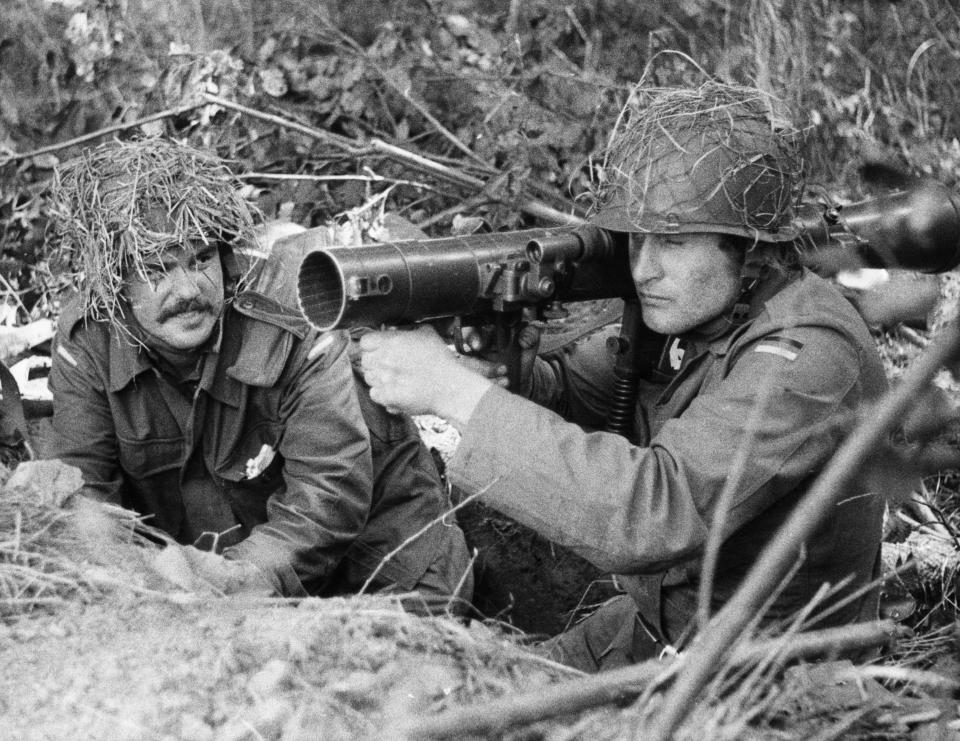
pixel 846 722
pixel 717 533
pixel 427 165
pixel 467 205
pixel 437 521
pixel 8 286
pixel 341 142
pixel 912 336
pixel 455 596
pixel 863 441
pixel 932 520
pixel 421 109
pixel 621 684
pixel 371 178
pixel 513 18
pixel 906 675
pixel 102 132
pixel 531 206
pixel 358 51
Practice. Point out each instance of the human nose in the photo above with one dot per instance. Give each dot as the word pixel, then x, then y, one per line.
pixel 645 262
pixel 186 281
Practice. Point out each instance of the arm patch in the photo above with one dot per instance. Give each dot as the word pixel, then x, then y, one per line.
pixel 63 353
pixel 779 345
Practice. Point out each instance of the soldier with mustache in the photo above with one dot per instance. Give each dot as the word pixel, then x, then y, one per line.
pixel 188 387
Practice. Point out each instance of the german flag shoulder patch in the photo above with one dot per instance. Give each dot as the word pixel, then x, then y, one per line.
pixel 777 344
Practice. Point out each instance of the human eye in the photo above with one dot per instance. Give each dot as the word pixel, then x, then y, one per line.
pixel 153 272
pixel 206 256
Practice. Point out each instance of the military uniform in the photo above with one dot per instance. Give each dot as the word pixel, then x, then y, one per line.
pixel 265 453
pixel 785 385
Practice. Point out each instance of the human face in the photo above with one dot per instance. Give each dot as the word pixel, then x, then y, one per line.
pixel 178 301
pixel 684 281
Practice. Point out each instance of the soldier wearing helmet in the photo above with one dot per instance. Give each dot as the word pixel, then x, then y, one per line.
pixel 765 367
pixel 187 386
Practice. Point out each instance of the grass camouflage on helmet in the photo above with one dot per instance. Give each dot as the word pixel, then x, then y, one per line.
pixel 119 205
pixel 705 159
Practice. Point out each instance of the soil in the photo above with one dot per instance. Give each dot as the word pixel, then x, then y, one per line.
pixel 526 580
pixel 232 669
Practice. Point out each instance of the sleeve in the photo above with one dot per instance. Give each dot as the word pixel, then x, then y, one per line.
pixel 327 472
pixel 636 509
pixel 83 433
pixel 576 381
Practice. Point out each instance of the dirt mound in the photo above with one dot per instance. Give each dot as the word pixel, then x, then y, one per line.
pixel 232 669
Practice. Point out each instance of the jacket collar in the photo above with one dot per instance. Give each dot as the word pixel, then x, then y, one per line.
pixel 259 336
pixel 254 342
pixel 768 290
pixel 128 359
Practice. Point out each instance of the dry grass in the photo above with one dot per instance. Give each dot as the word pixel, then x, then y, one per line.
pixel 57 549
pixel 117 206
pixel 285 672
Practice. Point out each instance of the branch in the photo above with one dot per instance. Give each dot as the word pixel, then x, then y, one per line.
pixel 404 93
pixel 513 18
pixel 738 469
pixel 866 438
pixel 169 113
pixel 422 110
pixel 531 206
pixel 437 521
pixel 617 685
pixel 341 142
pixel 369 178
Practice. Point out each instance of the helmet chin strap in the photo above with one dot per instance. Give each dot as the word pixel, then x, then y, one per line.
pixel 749 277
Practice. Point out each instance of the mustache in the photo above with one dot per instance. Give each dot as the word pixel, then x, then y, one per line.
pixel 184 307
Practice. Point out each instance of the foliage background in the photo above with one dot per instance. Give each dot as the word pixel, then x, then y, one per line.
pixel 516 94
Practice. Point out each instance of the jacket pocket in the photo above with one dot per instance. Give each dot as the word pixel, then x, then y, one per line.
pixel 255 463
pixel 251 473
pixel 141 459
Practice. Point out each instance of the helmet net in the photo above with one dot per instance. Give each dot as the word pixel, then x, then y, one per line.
pixel 717 158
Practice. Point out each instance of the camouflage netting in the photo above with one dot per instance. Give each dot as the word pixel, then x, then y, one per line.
pixel 118 205
pixel 717 158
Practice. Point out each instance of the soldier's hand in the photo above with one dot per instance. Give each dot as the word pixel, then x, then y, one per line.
pixel 495 371
pixel 204 572
pixel 485 364
pixel 413 371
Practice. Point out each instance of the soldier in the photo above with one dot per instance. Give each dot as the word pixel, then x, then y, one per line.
pixel 764 369
pixel 187 387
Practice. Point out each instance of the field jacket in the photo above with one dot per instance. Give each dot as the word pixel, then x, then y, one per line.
pixel 762 407
pixel 272 456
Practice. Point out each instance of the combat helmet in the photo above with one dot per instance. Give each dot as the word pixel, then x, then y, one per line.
pixel 707 159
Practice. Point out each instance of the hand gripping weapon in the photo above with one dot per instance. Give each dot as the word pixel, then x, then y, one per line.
pixel 493 281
